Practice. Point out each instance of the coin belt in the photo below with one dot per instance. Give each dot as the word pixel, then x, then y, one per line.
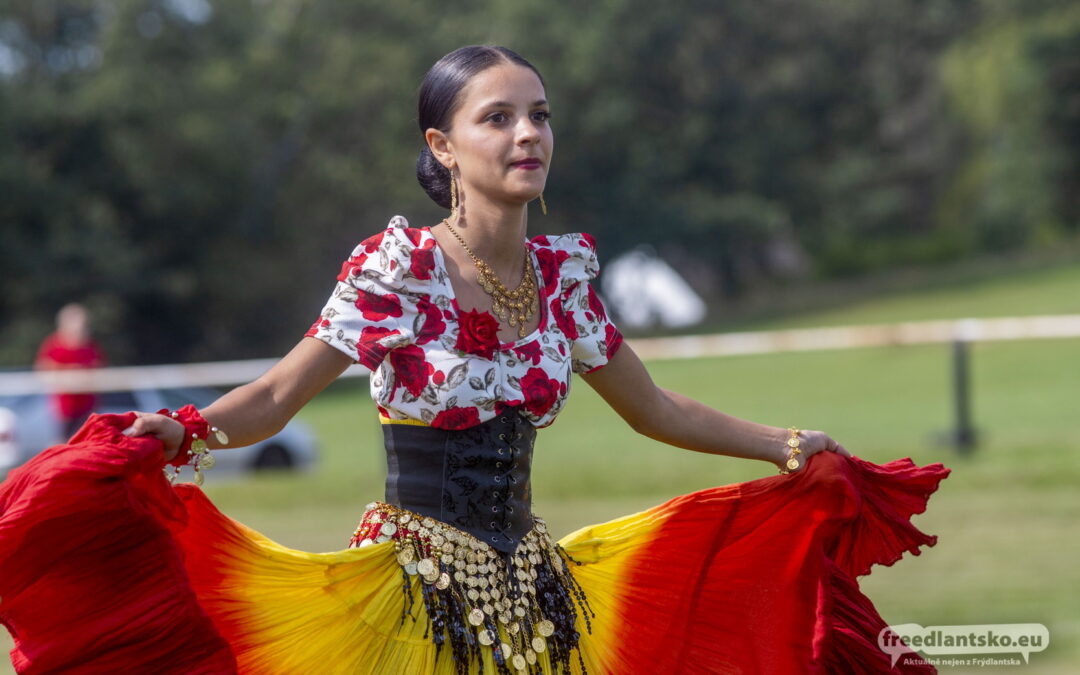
pixel 518 605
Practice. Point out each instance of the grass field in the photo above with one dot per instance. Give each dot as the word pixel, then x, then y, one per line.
pixel 1008 517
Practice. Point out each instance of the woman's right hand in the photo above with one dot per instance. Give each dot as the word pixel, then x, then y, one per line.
pixel 165 429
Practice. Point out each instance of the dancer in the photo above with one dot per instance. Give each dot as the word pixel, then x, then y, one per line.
pixel 471 330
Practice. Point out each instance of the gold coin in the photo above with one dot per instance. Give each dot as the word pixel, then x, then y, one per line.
pixel 405 556
pixel 207 461
pixel 485 638
pixel 530 656
pixel 410 568
pixel 793 464
pixel 443 582
pixel 426 566
pixel 506 650
pixel 389 529
pixel 545 628
pixel 793 442
pixel 221 436
pixel 518 661
pixel 476 617
pixel 539 644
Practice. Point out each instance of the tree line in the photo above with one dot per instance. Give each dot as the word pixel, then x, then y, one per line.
pixel 194 171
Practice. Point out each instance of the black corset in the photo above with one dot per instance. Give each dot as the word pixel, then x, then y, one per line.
pixel 475 479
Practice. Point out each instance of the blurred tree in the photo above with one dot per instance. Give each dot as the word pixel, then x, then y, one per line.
pixel 195 171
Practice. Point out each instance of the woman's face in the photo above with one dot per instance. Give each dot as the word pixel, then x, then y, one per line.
pixel 499 141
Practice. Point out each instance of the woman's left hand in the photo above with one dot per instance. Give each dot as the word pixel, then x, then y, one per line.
pixel 812 443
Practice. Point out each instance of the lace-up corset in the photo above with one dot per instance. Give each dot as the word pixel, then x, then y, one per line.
pixel 475 479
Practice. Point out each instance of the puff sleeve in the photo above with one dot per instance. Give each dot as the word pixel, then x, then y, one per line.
pixel 375 307
pixel 580 313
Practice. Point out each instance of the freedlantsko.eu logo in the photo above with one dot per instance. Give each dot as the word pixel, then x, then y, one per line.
pixel 1002 638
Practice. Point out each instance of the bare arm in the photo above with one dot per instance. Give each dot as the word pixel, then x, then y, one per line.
pixel 261 408
pixel 681 421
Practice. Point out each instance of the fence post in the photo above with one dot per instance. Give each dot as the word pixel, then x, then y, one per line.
pixel 964 433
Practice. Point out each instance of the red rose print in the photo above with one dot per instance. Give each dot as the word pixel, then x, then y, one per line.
pixel 372 243
pixel 422 261
pixel 478 333
pixel 368 347
pixel 588 241
pixel 317 326
pixel 539 390
pixel 612 338
pixel 433 325
pixel 530 351
pixel 353 265
pixel 378 306
pixel 595 305
pixel 410 369
pixel 438 378
pixel 549 262
pixel 564 321
pixel 456 418
pixel 413 234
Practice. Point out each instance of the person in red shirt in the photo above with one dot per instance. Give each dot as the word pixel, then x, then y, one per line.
pixel 71 346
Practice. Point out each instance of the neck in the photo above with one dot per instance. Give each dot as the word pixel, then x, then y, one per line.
pixel 494 232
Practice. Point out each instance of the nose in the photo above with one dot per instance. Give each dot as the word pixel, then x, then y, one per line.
pixel 526 132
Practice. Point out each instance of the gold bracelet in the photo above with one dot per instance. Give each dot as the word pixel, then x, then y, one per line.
pixel 793 454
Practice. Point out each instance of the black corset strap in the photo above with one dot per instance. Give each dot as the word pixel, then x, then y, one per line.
pixel 476 479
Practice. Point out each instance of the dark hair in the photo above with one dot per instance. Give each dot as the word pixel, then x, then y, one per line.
pixel 439 99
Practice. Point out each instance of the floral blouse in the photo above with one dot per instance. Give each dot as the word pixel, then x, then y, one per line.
pixel 393 310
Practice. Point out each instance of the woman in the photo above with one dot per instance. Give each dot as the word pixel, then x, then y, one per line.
pixel 472 330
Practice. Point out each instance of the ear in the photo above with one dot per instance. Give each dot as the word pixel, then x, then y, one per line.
pixel 440 147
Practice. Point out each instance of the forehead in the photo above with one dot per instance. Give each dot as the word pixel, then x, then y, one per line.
pixel 507 82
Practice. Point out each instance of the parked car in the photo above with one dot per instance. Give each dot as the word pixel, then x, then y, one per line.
pixel 28 426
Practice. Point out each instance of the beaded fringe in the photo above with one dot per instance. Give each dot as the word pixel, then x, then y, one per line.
pixel 518 605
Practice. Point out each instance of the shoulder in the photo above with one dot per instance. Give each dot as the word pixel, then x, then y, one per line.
pixel 399 253
pixel 571 257
pixel 565 260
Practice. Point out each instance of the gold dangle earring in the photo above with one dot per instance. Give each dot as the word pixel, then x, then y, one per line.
pixel 543 206
pixel 453 194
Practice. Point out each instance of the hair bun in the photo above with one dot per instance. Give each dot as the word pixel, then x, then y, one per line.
pixel 433 177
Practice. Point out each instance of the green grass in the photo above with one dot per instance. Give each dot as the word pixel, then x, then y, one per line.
pixel 1008 517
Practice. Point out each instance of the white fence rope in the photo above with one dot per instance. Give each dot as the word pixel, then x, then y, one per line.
pixel 685 347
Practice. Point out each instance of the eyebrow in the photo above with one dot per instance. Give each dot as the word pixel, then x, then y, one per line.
pixel 508 104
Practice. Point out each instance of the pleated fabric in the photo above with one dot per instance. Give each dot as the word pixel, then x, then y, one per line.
pixel 105 567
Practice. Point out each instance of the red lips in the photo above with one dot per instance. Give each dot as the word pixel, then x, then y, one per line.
pixel 527 163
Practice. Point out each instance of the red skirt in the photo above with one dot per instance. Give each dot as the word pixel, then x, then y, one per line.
pixel 105 567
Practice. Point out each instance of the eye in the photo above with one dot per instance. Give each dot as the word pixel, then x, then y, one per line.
pixel 497 117
pixel 541 115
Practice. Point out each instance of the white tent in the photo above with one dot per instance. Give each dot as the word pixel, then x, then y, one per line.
pixel 643 291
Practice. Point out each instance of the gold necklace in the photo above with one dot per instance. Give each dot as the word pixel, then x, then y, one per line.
pixel 516 306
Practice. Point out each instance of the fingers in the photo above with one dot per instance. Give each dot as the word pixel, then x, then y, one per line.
pixel 138 428
pixel 144 424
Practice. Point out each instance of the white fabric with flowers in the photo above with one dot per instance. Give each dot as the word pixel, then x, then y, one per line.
pixel 393 310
